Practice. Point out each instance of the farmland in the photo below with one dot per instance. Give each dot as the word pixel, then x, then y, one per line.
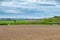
pixel 30 32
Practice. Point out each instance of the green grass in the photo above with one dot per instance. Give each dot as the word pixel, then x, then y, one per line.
pixel 44 21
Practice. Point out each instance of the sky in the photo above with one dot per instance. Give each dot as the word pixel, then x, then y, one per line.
pixel 34 9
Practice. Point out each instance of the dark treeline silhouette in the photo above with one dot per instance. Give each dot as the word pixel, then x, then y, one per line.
pixel 56 17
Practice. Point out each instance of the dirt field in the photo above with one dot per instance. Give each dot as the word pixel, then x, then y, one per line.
pixel 30 32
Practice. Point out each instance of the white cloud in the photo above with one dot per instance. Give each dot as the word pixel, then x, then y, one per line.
pixel 17 6
pixel 16 3
pixel 8 4
pixel 11 11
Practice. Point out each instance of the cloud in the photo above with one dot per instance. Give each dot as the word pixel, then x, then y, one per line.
pixel 30 4
pixel 46 4
pixel 58 1
pixel 34 8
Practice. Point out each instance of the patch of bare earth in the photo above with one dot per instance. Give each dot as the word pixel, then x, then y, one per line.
pixel 30 32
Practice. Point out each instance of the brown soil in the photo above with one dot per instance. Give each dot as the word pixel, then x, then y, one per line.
pixel 30 32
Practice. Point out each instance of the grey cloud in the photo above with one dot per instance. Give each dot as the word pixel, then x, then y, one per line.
pixel 5 0
pixel 45 5
pixel 58 1
pixel 12 0
pixel 48 5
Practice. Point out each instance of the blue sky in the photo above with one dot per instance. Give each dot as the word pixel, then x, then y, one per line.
pixel 29 8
